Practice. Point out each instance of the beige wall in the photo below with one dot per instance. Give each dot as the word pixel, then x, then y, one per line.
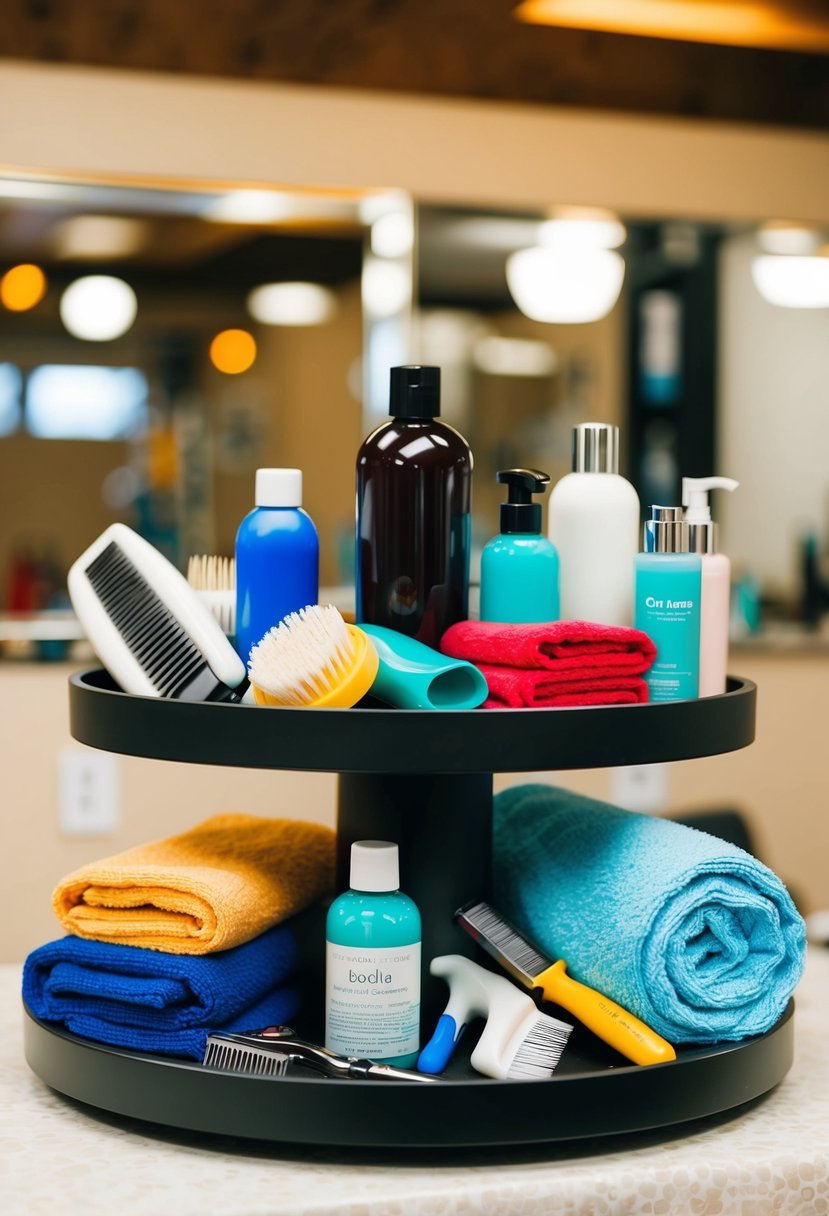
pixel 780 782
pixel 105 122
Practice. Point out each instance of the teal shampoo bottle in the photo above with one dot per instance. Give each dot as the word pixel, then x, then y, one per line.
pixel 667 596
pixel 519 567
pixel 372 962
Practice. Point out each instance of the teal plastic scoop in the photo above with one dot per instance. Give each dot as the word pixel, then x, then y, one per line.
pixel 412 675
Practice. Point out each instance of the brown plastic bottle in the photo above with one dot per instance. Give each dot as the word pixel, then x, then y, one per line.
pixel 414 489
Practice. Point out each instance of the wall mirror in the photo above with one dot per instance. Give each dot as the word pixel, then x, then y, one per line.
pixel 163 423
pixel 157 345
pixel 707 342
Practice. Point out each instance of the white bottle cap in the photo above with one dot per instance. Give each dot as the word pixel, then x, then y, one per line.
pixel 375 866
pixel 278 488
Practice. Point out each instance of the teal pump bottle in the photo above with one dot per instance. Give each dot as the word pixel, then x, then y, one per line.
pixel 372 962
pixel 519 568
pixel 667 596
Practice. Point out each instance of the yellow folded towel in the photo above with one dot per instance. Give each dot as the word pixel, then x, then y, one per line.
pixel 220 884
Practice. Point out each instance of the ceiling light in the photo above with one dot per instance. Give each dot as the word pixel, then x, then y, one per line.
pixel 291 304
pixel 514 357
pixel 22 287
pixel 97 236
pixel 386 287
pixel 250 207
pixel 98 308
pixel 233 351
pixel 372 206
pixel 583 232
pixel 792 282
pixel 754 23
pixel 565 287
pixel 392 235
pixel 779 237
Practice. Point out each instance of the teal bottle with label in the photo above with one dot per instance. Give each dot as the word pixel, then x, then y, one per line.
pixel 519 567
pixel 667 595
pixel 372 962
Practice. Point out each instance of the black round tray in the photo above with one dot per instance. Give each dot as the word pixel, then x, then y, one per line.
pixel 382 740
pixel 587 1096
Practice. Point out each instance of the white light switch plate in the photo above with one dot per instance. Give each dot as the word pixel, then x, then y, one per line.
pixel 89 792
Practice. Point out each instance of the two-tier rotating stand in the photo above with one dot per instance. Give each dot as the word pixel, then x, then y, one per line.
pixel 424 779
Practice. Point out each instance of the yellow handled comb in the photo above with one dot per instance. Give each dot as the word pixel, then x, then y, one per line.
pixel 613 1024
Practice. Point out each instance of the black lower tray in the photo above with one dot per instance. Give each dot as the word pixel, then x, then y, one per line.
pixel 589 1094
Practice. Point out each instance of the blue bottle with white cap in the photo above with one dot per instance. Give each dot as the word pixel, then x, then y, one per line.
pixel 277 558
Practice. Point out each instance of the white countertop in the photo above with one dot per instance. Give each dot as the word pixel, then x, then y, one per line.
pixel 58 1157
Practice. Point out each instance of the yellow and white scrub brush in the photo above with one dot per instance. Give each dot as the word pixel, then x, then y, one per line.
pixel 313 658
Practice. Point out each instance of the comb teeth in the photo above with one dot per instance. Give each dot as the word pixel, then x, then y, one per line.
pixel 165 651
pixel 252 1061
pixel 499 938
pixel 540 1049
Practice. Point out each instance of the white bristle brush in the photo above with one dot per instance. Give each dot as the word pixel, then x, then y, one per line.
pixel 313 658
pixel 214 579
pixel 517 1042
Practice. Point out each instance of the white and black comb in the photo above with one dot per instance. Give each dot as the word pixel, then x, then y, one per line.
pixel 148 626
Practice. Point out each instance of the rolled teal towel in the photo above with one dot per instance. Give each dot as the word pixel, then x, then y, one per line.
pixel 692 934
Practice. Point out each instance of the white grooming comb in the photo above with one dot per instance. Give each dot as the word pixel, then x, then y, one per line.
pixel 147 624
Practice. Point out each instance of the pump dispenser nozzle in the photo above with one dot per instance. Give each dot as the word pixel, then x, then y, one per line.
pixel 519 513
pixel 703 530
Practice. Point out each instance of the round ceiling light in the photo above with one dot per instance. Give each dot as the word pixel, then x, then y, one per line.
pixel 22 287
pixel 565 287
pixel 98 308
pixel 792 282
pixel 292 304
pixel 233 351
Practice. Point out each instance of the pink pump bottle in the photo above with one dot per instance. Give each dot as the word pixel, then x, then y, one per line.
pixel 716 581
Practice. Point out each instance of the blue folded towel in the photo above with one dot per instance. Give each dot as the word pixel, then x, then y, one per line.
pixel 692 934
pixel 167 1004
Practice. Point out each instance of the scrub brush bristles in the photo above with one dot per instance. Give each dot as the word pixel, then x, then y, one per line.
pixel 313 657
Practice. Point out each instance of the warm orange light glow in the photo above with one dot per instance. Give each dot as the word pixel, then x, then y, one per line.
pixel 233 351
pixel 726 22
pixel 22 287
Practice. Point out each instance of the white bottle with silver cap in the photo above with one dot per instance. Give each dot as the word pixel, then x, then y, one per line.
pixel 594 524
pixel 716 581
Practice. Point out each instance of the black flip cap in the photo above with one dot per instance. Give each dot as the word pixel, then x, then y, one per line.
pixel 519 513
pixel 415 391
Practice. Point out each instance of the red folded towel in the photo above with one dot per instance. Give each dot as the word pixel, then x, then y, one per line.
pixel 522 687
pixel 555 662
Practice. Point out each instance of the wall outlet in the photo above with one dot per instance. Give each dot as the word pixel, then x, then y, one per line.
pixel 89 792
pixel 640 787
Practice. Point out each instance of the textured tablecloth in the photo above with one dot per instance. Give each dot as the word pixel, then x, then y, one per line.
pixel 58 1157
